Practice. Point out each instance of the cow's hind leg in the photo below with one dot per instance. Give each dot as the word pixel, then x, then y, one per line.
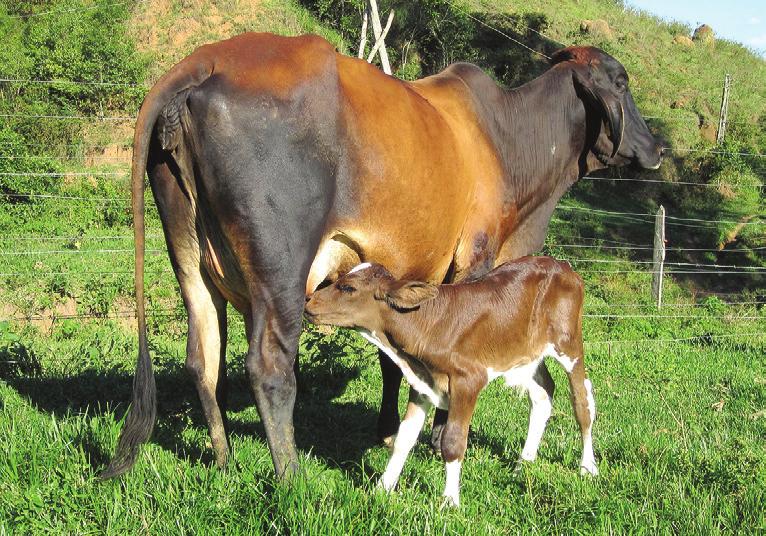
pixel 206 354
pixel 273 344
pixel 206 343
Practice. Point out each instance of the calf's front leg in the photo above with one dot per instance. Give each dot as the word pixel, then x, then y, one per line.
pixel 540 390
pixel 454 440
pixel 409 430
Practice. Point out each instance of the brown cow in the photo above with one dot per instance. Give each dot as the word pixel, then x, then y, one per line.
pixel 450 341
pixel 277 164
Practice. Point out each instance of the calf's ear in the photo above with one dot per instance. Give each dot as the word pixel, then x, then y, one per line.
pixel 610 104
pixel 409 294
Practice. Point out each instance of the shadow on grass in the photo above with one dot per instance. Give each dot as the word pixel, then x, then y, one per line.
pixel 336 432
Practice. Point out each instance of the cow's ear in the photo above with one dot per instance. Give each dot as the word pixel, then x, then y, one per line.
pixel 610 104
pixel 409 294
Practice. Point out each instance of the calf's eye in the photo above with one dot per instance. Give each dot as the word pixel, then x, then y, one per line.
pixel 348 289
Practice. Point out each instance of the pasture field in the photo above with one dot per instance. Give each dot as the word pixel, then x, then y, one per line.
pixel 679 434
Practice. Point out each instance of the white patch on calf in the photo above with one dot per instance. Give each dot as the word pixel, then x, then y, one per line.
pixel 588 462
pixel 539 414
pixel 409 430
pixel 591 400
pixel 439 400
pixel 564 360
pixel 359 267
pixel 518 376
pixel 452 484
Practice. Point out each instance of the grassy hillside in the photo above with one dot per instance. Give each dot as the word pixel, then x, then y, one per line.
pixel 680 391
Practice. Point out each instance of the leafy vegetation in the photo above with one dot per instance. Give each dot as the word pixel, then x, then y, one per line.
pixel 680 391
pixel 678 88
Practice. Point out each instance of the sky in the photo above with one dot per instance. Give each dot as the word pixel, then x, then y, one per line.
pixel 743 21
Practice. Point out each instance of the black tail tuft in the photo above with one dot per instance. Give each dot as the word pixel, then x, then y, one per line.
pixel 140 421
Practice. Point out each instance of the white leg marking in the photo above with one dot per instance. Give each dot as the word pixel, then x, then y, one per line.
pixel 564 360
pixel 588 463
pixel 539 414
pixel 406 438
pixel 452 485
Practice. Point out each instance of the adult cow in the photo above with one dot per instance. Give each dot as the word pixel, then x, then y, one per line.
pixel 277 164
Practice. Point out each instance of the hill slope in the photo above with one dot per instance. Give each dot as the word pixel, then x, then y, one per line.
pixel 682 409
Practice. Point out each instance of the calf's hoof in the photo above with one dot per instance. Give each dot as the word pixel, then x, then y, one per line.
pixel 384 486
pixel 518 468
pixel 450 501
pixel 389 441
pixel 589 468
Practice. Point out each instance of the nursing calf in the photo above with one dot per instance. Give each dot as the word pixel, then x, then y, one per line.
pixel 450 341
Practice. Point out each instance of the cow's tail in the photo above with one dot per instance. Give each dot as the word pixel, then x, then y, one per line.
pixel 143 407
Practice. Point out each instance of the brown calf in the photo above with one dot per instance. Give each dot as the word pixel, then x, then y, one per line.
pixel 451 340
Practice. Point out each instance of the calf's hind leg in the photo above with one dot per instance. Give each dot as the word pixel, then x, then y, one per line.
pixel 581 394
pixel 583 404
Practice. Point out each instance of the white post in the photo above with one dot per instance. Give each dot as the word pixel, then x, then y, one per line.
pixel 659 256
pixel 380 42
pixel 377 29
pixel 363 40
pixel 723 117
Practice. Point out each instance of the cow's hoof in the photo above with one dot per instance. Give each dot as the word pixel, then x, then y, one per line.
pixel 387 430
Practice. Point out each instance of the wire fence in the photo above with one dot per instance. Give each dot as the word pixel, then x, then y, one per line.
pixel 682 268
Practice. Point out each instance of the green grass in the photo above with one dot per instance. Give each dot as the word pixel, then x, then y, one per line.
pixel 679 435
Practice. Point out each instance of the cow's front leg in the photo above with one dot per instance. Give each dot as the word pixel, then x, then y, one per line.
pixel 273 344
pixel 405 439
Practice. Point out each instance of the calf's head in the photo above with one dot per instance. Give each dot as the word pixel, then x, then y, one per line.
pixel 602 82
pixel 364 297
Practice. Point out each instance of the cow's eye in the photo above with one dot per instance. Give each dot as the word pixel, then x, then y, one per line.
pixel 348 289
pixel 621 85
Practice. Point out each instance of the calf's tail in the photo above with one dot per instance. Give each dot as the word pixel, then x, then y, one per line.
pixel 139 422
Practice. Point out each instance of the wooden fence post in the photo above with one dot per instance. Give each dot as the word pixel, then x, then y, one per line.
pixel 659 256
pixel 722 118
